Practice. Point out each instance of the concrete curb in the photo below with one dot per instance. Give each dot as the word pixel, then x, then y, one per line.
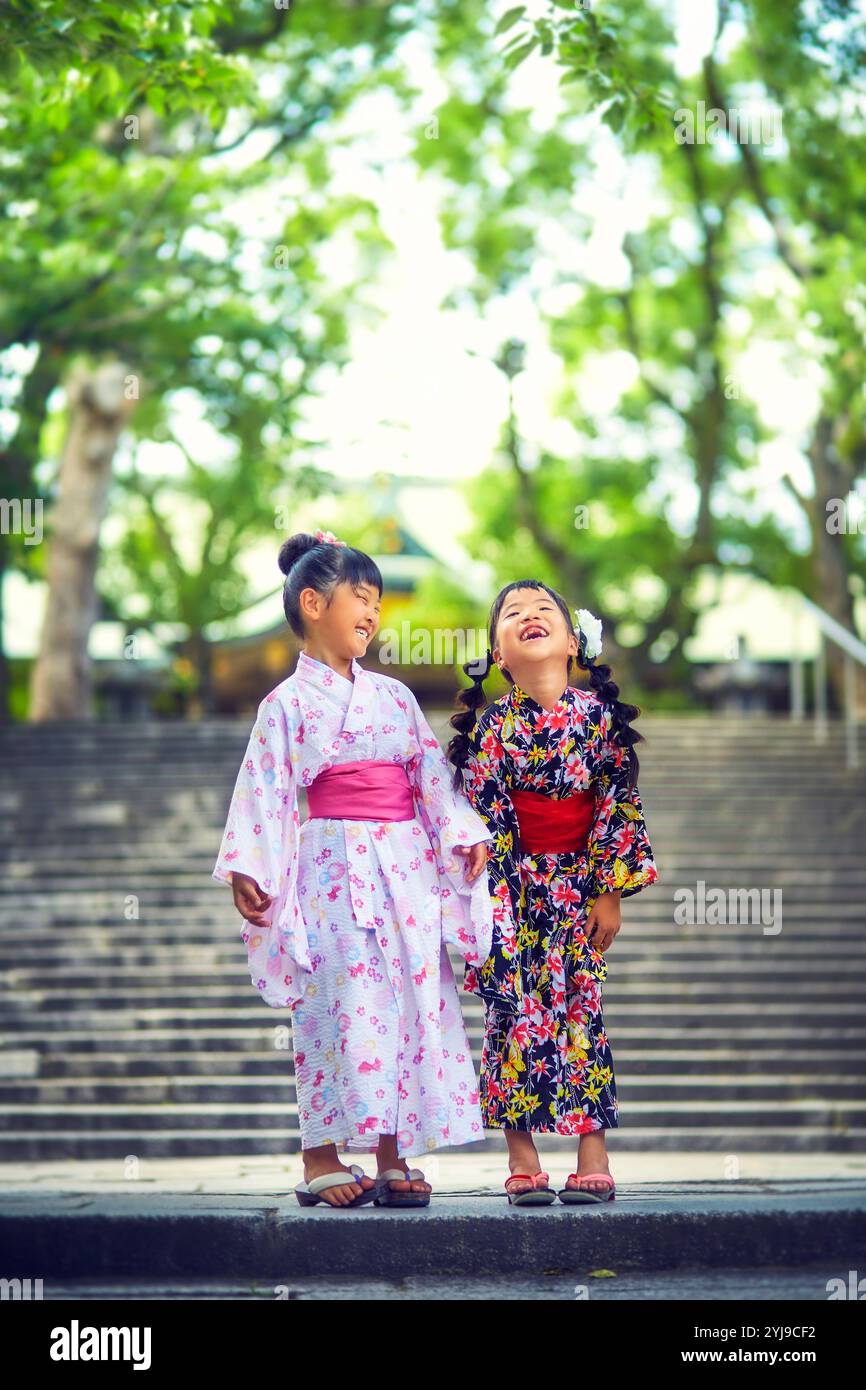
pixel 69 1235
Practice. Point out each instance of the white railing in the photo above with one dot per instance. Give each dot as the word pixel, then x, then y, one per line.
pixel 829 630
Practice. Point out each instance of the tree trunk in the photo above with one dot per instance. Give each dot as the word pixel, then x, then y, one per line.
pixel 17 462
pixel 98 411
pixel 832 588
pixel 198 649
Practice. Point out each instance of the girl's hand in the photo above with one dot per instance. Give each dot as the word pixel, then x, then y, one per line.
pixel 476 858
pixel 250 901
pixel 605 920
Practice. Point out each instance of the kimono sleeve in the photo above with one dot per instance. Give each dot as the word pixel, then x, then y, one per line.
pixel 498 981
pixel 620 853
pixel 450 821
pixel 261 839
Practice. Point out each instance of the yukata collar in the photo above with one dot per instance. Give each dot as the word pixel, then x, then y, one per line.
pixel 519 699
pixel 354 699
pixel 312 669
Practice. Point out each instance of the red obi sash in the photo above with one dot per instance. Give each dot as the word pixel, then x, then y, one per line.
pixel 369 789
pixel 553 826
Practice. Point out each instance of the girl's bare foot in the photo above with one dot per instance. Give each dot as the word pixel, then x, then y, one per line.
pixel 522 1158
pixel 323 1159
pixel 386 1157
pixel 591 1158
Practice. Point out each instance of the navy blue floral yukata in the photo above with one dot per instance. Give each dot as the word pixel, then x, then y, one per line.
pixel 546 1062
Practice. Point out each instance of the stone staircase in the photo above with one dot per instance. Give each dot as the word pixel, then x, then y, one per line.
pixel 130 1026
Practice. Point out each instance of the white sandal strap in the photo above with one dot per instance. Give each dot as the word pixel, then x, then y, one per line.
pixel 397 1175
pixel 319 1184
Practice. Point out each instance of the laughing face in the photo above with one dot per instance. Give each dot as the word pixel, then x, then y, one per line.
pixel 532 635
pixel 347 624
pixel 357 615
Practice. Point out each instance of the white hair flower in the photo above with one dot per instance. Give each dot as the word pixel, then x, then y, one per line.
pixel 590 626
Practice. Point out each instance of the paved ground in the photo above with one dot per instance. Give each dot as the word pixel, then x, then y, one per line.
pixel 449 1173
pixel 807 1284
pixel 141 1234
pixel 683 1226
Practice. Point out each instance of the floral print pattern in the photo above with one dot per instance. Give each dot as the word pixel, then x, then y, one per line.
pixel 357 938
pixel 546 1061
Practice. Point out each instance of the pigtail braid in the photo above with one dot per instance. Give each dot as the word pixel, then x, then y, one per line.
pixel 470 699
pixel 621 714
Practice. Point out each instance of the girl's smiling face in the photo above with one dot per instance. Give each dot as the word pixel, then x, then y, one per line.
pixel 349 622
pixel 531 634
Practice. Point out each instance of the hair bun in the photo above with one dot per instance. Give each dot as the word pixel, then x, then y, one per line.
pixel 292 550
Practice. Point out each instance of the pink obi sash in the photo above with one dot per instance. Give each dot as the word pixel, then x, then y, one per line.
pixel 370 789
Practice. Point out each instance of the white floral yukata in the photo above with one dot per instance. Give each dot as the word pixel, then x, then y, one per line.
pixel 356 945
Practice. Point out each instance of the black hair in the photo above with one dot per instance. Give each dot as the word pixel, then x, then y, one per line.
pixel 309 563
pixel 472 697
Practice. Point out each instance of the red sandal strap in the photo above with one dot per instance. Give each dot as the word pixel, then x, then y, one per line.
pixel 590 1177
pixel 530 1177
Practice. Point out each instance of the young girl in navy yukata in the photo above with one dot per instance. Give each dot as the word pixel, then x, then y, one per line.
pixel 348 916
pixel 553 772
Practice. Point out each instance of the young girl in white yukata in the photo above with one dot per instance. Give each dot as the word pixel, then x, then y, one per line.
pixel 348 915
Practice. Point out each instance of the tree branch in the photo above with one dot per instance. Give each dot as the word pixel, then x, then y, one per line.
pixel 755 180
pixel 657 392
pixel 23 332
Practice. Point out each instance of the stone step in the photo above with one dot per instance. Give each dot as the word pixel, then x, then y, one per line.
pixel 684 837
pixel 134 848
pixel 619 1009
pixel 218 726
pixel 787 829
pixel 622 997
pixel 635 988
pixel 729 857
pixel 21 1066
pixel 682 829
pixel 100 918
pixel 698 975
pixel 25 1144
pixel 693 749
pixel 797 871
pixel 721 1241
pixel 165 772
pixel 685 888
pixel 164 775
pixel 126 1038
pixel 696 727
pixel 790 1282
pixel 724 1017
pixel 108 804
pixel 688 756
pixel 119 1093
pixel 147 1036
pixel 164 769
pixel 132 845
pixel 688 947
pixel 211 963
pixel 827 1115
pixel 640 931
pixel 200 1063
pixel 21 1145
